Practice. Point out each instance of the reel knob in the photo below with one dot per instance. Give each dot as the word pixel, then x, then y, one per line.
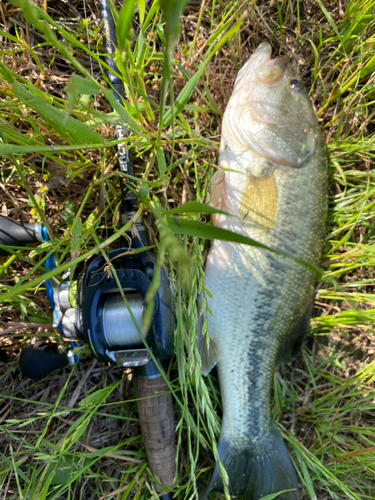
pixel 41 358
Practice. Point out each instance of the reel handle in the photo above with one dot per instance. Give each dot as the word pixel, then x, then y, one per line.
pixel 155 409
pixel 16 233
pixel 40 359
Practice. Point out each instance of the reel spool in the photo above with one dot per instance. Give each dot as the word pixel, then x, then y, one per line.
pixel 119 328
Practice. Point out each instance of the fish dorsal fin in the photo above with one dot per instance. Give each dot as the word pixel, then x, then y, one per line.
pixel 258 204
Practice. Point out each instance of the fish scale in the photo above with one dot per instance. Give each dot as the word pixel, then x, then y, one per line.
pixel 260 298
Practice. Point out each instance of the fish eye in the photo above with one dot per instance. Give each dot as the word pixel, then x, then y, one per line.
pixel 295 84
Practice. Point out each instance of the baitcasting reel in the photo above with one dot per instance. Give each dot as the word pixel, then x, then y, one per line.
pixel 99 316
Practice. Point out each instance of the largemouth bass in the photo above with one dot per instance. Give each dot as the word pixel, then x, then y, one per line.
pixel 273 182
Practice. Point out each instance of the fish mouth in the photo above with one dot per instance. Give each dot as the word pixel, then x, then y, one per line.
pixel 272 71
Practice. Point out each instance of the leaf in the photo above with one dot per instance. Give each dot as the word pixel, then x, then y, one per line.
pixel 328 17
pixel 202 230
pixel 122 112
pixel 193 207
pixel 171 12
pixel 42 22
pixel 160 32
pixel 78 85
pixel 76 235
pixel 186 92
pixel 68 127
pixel 46 246
pixel 6 73
pixel 124 22
pixel 62 474
pixel 98 397
pixel 160 158
pixel 368 68
pixel 8 149
pixel 9 134
pixel 143 192
pixel 184 95
pixel 141 10
pixel 275 495
pixel 172 9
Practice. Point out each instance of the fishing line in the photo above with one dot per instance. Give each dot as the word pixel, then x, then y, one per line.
pixel 118 326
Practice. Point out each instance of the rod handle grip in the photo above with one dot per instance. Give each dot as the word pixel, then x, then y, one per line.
pixel 15 233
pixel 155 409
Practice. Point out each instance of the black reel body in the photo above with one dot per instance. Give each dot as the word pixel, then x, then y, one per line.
pixel 104 321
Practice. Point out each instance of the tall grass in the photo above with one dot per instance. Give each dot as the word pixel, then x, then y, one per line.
pixel 75 434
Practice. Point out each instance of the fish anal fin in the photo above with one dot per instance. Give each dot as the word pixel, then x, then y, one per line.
pixel 258 204
pixel 209 353
pixel 296 336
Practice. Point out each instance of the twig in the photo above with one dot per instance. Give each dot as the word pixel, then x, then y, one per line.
pixel 17 326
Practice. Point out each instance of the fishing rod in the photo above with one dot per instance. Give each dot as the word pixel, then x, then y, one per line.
pixel 92 309
pixel 124 160
pixel 154 400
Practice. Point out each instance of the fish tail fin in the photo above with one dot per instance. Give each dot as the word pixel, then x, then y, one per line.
pixel 257 472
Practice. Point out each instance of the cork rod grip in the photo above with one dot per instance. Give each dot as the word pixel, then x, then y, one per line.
pixel 155 408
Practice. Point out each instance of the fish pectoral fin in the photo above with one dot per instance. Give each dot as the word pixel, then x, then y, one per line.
pixel 258 203
pixel 209 353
